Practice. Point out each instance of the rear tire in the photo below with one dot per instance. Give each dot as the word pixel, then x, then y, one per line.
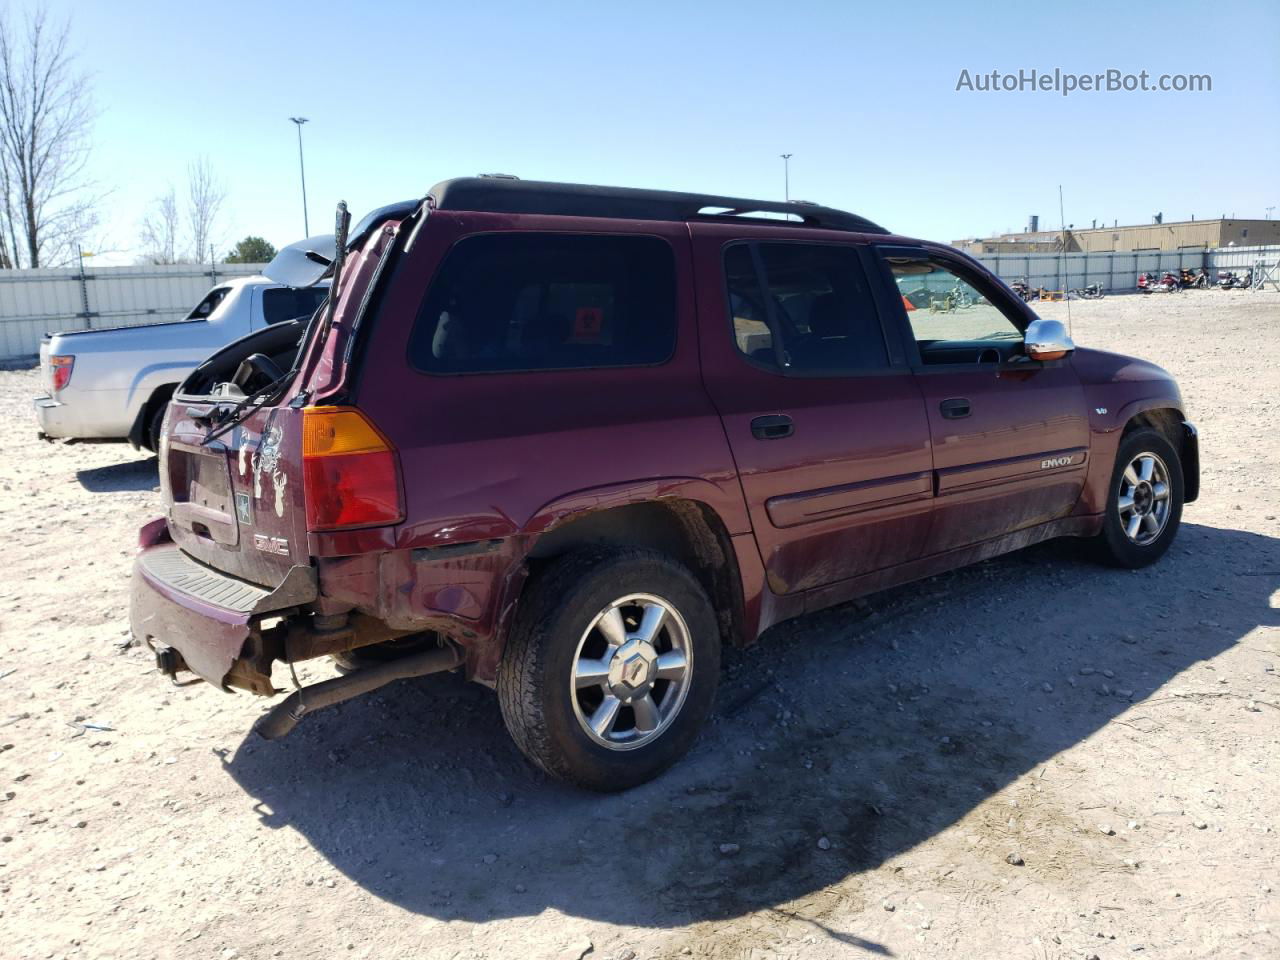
pixel 611 667
pixel 1144 503
pixel 155 428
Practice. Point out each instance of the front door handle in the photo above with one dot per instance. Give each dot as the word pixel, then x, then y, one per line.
pixel 773 427
pixel 955 408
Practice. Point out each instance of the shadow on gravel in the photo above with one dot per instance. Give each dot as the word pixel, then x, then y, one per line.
pixel 831 727
pixel 136 476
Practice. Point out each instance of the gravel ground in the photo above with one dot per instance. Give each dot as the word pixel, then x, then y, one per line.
pixel 1035 757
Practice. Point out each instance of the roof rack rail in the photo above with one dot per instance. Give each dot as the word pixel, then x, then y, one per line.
pixel 493 195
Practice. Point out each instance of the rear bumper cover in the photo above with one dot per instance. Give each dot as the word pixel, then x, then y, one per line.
pixel 52 417
pixel 206 615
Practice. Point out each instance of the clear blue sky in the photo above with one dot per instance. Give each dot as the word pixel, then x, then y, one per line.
pixel 692 95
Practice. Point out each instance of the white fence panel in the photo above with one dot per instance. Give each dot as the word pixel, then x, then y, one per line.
pixel 1118 271
pixel 36 302
pixel 1241 258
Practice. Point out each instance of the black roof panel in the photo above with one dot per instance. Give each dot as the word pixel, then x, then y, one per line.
pixel 508 195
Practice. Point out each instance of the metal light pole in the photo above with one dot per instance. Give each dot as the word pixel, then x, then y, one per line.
pixel 1269 209
pixel 306 224
pixel 786 175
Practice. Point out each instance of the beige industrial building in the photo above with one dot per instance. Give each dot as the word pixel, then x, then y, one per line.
pixel 1181 235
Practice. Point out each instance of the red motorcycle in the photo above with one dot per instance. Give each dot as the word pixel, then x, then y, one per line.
pixel 1147 283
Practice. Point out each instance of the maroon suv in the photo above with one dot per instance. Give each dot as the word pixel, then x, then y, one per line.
pixel 572 440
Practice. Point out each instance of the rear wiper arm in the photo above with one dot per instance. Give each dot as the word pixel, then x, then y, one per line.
pixel 228 417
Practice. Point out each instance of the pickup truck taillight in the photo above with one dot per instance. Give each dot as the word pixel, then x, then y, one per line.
pixel 351 477
pixel 61 367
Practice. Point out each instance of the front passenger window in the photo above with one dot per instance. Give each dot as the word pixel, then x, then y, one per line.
pixel 951 319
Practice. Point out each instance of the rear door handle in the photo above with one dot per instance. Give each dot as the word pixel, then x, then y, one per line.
pixel 773 427
pixel 955 408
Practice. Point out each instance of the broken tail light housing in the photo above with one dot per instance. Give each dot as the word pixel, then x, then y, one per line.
pixel 60 367
pixel 351 475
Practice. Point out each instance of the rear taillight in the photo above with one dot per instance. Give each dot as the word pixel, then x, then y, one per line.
pixel 61 368
pixel 351 477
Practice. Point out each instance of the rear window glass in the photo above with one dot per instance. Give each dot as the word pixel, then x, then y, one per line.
pixel 525 301
pixel 285 303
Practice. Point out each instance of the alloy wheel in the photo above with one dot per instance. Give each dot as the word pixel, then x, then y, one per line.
pixel 1144 499
pixel 631 671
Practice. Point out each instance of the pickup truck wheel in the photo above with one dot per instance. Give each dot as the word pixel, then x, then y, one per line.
pixel 1144 506
pixel 155 429
pixel 611 667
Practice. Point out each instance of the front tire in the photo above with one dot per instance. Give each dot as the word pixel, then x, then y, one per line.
pixel 1144 505
pixel 611 667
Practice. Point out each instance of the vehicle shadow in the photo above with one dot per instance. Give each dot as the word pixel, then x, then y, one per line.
pixel 136 476
pixel 833 726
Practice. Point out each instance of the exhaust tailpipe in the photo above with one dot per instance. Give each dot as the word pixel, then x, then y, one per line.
pixel 284 716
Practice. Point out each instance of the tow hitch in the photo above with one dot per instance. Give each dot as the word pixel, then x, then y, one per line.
pixel 169 661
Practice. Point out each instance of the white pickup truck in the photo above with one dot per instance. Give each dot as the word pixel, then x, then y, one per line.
pixel 116 382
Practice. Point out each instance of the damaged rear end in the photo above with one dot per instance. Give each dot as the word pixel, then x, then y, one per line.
pixel 258 456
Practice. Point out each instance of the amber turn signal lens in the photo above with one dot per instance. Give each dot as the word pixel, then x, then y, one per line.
pixel 334 431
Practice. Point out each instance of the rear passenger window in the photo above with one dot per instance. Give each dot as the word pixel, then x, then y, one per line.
pixel 524 301
pixel 285 303
pixel 803 309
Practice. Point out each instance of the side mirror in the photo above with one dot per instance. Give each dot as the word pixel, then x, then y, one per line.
pixel 1046 340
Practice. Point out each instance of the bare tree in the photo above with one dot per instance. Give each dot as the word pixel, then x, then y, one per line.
pixel 45 120
pixel 159 232
pixel 205 194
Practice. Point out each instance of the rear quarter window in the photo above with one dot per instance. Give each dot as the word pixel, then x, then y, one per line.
pixel 286 303
pixel 526 301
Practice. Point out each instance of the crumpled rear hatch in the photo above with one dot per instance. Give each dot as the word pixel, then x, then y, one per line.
pixel 236 502
pixel 235 493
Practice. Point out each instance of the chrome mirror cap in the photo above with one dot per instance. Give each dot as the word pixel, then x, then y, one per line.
pixel 1046 340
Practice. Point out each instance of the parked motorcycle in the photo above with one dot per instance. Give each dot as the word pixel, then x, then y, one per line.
pixel 1147 283
pixel 1092 291
pixel 1230 280
pixel 1168 283
pixel 1021 288
pixel 1189 280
